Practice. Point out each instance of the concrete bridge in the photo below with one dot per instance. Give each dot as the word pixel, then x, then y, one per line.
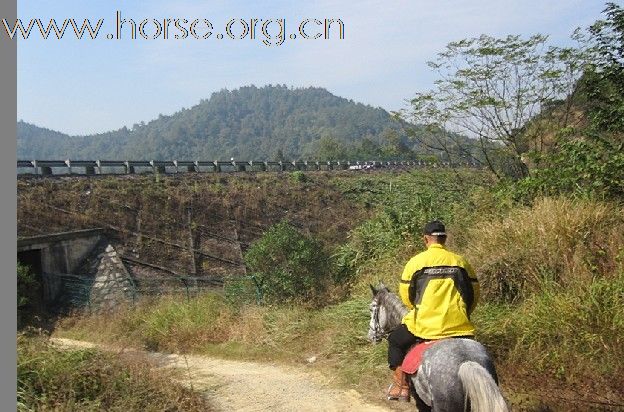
pixel 58 252
pixel 92 167
pixel 83 269
pixel 53 255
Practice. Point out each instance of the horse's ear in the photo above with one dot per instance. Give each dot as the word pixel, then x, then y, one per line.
pixel 373 289
pixel 382 287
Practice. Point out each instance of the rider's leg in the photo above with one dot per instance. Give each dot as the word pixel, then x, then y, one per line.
pixel 399 388
pixel 399 342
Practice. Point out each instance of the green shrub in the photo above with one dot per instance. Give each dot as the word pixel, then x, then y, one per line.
pixel 25 283
pixel 345 259
pixel 28 290
pixel 400 220
pixel 298 176
pixel 289 266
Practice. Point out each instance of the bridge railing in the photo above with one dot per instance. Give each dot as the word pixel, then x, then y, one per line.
pixel 93 167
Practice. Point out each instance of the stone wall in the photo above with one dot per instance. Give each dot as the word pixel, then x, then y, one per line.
pixel 112 283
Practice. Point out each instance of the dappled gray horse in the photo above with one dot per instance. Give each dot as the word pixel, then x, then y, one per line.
pixel 455 374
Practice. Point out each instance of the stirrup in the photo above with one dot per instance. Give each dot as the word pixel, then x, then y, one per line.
pixel 400 398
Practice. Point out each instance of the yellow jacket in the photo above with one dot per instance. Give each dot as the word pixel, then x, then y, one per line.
pixel 445 292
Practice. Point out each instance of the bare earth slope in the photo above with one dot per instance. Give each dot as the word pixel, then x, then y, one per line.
pixel 249 386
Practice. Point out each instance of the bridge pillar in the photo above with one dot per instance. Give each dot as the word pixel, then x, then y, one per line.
pixel 46 171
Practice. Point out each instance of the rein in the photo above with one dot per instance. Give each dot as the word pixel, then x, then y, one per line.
pixel 395 310
pixel 377 329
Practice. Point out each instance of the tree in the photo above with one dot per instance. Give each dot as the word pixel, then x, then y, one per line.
pixel 368 150
pixel 589 161
pixel 603 82
pixel 279 156
pixel 489 89
pixel 330 148
pixel 395 148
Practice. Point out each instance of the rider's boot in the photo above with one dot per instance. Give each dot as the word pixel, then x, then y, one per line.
pixel 399 389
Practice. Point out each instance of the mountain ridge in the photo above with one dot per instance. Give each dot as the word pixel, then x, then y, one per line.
pixel 249 122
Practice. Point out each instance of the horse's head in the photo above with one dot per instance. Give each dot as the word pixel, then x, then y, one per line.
pixel 377 327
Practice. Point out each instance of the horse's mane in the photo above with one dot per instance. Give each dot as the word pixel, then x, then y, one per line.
pixel 394 307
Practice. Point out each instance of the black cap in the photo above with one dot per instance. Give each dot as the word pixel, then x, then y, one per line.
pixel 435 228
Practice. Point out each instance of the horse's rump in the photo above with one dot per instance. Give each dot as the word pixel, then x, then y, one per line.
pixel 438 381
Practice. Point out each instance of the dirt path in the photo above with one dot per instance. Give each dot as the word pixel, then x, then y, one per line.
pixel 248 386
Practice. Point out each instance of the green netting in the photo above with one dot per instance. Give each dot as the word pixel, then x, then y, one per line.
pixel 242 290
pixel 72 291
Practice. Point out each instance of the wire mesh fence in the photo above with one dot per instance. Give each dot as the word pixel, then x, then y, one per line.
pixel 70 292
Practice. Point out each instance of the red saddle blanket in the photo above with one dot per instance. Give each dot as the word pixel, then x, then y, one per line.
pixel 414 356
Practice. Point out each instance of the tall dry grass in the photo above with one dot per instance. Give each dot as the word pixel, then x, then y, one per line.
pixel 559 240
pixel 87 380
pixel 552 308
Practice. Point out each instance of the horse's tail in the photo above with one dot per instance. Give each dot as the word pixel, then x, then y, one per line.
pixel 481 389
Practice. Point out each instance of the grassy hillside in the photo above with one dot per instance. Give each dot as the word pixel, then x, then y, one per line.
pixel 551 314
pixel 324 204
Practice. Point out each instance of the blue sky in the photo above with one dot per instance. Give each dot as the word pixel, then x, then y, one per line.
pixel 88 86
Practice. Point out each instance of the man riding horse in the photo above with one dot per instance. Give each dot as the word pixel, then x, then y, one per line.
pixel 441 290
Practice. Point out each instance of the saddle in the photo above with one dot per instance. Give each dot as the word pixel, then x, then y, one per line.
pixel 414 356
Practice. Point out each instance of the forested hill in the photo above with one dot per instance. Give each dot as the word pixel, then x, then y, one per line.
pixel 247 123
